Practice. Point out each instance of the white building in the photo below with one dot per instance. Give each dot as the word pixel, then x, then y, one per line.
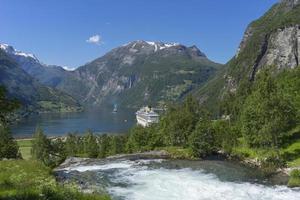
pixel 146 116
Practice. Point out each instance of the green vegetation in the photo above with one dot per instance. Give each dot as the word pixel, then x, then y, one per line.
pixel 266 116
pixel 25 146
pixel 165 78
pixel 235 75
pixel 178 152
pixel 22 180
pixel 294 180
pixel 31 179
pixel 8 146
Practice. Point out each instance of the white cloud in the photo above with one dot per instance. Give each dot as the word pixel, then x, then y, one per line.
pixel 95 39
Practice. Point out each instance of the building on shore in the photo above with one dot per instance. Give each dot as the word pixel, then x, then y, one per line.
pixel 146 116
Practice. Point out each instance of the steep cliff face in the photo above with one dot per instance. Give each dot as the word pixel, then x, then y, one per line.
pixel 283 48
pixel 272 40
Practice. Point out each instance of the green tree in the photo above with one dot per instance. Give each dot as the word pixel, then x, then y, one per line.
pixel 41 147
pixel 72 145
pixel 104 145
pixel 203 139
pixel 226 135
pixel 8 146
pixel 58 148
pixel 179 122
pixel 118 144
pixel 139 139
pixel 267 115
pixel 7 106
pixel 90 145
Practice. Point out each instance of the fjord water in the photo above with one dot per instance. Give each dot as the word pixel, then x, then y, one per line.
pixel 56 124
pixel 178 180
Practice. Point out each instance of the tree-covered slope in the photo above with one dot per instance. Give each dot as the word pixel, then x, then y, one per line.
pixel 273 40
pixel 49 75
pixel 29 91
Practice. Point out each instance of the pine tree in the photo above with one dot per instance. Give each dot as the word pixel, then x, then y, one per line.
pixel 41 147
pixel 90 145
pixel 8 146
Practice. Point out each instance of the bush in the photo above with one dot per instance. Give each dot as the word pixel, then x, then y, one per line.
pixel 294 180
pixel 271 162
pixel 203 140
pixel 8 146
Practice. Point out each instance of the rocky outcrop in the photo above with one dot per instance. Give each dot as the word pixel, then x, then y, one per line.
pixel 290 3
pixel 283 48
pixel 76 161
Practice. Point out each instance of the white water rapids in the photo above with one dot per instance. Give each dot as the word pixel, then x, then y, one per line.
pixel 135 180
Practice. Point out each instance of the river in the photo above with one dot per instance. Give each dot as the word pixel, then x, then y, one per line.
pixel 159 179
pixel 58 124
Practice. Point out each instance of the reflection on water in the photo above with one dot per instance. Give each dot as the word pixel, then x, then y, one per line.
pixel 100 121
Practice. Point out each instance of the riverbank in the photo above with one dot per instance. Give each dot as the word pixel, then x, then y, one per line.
pixel 31 180
pixel 134 177
pixel 174 153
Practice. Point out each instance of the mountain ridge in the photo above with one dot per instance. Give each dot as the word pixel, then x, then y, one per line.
pixel 34 96
pixel 128 70
pixel 273 39
pixel 134 62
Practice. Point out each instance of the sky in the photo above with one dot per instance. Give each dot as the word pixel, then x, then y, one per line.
pixel 73 32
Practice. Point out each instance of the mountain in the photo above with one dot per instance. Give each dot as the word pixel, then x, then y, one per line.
pixel 140 73
pixel 49 75
pixel 31 93
pixel 272 40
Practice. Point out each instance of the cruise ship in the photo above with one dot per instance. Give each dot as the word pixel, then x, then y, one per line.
pixel 146 116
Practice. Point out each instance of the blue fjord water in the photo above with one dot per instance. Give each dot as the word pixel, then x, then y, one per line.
pixel 58 124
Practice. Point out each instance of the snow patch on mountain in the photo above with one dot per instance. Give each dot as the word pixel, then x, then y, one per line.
pixel 11 51
pixel 161 45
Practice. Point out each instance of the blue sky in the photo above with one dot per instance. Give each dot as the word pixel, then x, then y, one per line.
pixel 60 31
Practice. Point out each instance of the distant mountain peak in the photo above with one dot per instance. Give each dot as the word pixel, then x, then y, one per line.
pixel 12 51
pixel 157 45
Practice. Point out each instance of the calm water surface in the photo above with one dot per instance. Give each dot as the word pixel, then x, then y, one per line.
pixel 55 124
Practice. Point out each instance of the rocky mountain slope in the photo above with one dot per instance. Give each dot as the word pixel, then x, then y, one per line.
pixel 31 93
pixel 140 73
pixel 272 40
pixel 49 75
pixel 134 74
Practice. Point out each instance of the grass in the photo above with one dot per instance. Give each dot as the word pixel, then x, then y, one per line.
pixel 292 154
pixel 294 180
pixel 244 151
pixel 178 152
pixel 29 179
pixel 25 148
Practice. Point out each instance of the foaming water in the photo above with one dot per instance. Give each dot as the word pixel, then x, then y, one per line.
pixel 160 180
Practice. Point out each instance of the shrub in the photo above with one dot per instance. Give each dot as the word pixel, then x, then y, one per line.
pixel 294 180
